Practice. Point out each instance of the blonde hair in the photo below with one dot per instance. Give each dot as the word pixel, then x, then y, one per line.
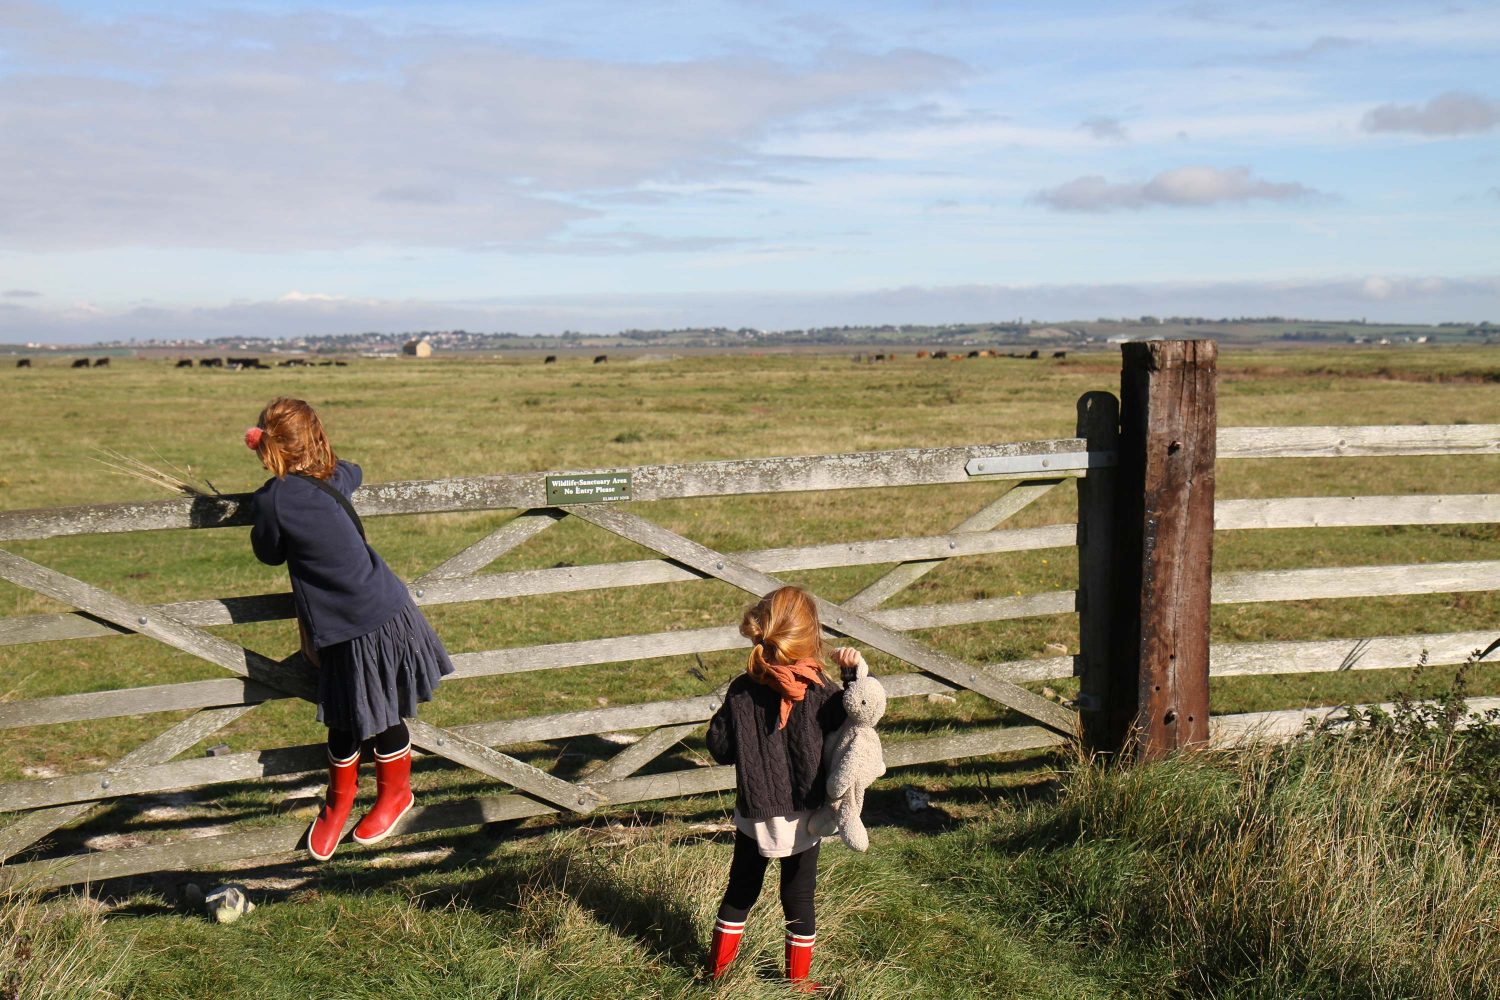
pixel 784 625
pixel 293 440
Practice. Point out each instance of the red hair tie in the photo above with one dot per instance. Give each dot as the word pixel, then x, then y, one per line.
pixel 252 438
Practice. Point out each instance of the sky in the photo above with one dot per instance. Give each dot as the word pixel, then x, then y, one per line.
pixel 285 168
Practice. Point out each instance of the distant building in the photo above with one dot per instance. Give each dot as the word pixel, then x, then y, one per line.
pixel 419 348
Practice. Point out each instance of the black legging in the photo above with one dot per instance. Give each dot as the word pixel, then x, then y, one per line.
pixel 747 872
pixel 342 745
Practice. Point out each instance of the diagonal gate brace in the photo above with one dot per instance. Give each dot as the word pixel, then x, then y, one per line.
pixel 841 619
pixel 533 780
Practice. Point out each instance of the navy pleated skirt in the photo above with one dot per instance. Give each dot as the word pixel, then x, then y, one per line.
pixel 371 682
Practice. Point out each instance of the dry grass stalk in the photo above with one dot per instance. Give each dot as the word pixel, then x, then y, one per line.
pixel 173 479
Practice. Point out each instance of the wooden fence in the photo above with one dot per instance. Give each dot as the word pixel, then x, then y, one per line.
pixel 1144 469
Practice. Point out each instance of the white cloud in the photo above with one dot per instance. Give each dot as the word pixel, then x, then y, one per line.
pixel 257 132
pixel 1323 45
pixel 1105 129
pixel 1456 112
pixel 1184 187
pixel 296 296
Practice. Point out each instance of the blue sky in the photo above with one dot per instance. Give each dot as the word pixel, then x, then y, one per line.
pixel 282 168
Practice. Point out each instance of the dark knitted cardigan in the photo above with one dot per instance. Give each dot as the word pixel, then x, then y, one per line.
pixel 340 586
pixel 776 771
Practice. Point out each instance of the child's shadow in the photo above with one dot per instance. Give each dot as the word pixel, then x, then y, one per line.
pixel 652 915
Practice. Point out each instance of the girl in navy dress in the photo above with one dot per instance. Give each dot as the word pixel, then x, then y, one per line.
pixel 376 656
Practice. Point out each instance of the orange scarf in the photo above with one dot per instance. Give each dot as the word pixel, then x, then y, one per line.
pixel 791 682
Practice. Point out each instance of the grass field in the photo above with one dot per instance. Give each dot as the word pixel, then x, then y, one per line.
pixel 535 910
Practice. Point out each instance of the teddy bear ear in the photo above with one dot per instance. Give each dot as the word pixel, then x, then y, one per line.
pixel 861 669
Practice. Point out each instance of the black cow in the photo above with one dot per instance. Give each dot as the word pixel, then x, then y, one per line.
pixel 210 362
pixel 550 359
pixel 940 354
pixel 23 363
pixel 184 362
pixel 1059 354
pixel 599 359
pixel 101 362
pixel 1034 355
pixel 80 363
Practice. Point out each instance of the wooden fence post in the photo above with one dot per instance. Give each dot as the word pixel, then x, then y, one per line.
pixel 1163 545
pixel 1101 729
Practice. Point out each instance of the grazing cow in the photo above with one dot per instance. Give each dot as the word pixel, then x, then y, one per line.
pixel 341 364
pixel 955 356
pixel 1059 354
pixel 210 362
pixel 973 354
pixel 550 359
pixel 940 354
pixel 1034 355
pixel 23 363
pixel 184 363
pixel 921 354
pixel 880 357
pixel 101 362
pixel 80 363
pixel 599 359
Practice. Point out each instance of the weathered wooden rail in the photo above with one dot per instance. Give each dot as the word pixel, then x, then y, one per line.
pixel 1029 470
pixel 1137 630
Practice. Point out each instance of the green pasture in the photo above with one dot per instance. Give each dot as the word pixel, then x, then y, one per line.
pixel 508 910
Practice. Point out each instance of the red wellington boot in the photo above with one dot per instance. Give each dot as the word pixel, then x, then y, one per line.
pixel 343 781
pixel 724 945
pixel 799 949
pixel 393 797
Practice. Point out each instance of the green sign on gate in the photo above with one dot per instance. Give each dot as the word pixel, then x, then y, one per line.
pixel 593 487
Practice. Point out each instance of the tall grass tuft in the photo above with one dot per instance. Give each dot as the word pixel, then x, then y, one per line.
pixel 1334 866
pixel 56 950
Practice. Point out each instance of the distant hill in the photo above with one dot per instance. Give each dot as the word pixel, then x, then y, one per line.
pixel 1262 331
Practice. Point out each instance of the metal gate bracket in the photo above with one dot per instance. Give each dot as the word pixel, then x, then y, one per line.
pixel 1060 462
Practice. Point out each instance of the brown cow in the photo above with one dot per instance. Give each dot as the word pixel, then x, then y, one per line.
pixel 599 359
pixel 921 354
pixel 101 362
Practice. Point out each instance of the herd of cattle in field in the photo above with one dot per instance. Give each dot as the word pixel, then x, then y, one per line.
pixel 941 355
pixel 235 364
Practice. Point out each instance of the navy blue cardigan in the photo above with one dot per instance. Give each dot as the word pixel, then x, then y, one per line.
pixel 777 772
pixel 341 587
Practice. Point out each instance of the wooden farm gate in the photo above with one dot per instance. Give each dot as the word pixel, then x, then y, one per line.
pixel 1144 467
pixel 42 806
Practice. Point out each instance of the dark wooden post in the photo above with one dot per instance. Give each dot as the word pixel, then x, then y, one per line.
pixel 1100 728
pixel 1163 546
